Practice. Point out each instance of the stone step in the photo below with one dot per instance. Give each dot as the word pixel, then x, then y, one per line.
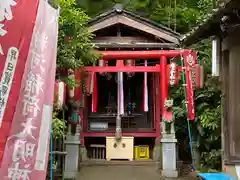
pixel 98 162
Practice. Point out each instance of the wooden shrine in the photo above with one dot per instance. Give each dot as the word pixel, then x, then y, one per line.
pixel 126 93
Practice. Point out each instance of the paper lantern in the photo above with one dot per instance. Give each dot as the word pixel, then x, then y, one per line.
pixel 59 94
pixel 102 63
pixel 172 74
pixel 129 63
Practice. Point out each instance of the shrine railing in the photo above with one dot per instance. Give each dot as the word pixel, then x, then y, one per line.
pixel 59 153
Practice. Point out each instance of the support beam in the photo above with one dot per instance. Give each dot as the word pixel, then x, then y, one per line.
pixel 134 134
pixel 137 45
pixel 153 54
pixel 122 69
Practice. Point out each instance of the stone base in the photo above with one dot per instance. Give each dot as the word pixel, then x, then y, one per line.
pixel 83 153
pixel 168 136
pixel 70 175
pixel 169 159
pixel 169 173
pixel 157 153
pixel 72 158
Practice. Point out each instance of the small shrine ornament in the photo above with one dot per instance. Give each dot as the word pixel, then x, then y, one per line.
pixel 130 63
pixel 167 115
pixel 190 60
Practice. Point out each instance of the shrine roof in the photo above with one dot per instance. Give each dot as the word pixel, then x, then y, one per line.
pixel 119 15
pixel 210 25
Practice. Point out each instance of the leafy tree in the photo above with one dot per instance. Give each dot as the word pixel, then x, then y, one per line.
pixel 74 41
pixel 74 48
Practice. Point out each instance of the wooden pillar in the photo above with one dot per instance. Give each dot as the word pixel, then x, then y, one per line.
pixel 153 91
pixel 157 105
pixel 163 82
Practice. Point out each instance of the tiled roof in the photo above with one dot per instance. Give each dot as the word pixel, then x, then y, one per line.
pixel 214 16
pixel 118 9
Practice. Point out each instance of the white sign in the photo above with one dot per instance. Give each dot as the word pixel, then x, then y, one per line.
pixel 173 69
pixel 7 78
pixel 42 152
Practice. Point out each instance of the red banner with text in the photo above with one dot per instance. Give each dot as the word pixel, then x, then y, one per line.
pixel 189 62
pixel 16 26
pixel 27 148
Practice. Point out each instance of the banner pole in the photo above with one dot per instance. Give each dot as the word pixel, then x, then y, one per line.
pixel 51 154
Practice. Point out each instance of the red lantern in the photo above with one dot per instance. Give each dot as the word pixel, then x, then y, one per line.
pixel 67 38
pixel 75 93
pixel 59 94
pixel 71 75
pixel 102 63
pixel 172 74
pixel 197 76
pixel 130 63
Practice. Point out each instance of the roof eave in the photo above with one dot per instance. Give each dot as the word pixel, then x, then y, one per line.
pixel 203 30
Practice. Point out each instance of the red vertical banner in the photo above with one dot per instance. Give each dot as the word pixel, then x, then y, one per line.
pixel 94 93
pixel 26 152
pixel 189 62
pixel 15 35
pixel 77 90
pixel 163 82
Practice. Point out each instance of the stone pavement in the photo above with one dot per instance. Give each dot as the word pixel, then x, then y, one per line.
pixel 118 173
pixel 121 171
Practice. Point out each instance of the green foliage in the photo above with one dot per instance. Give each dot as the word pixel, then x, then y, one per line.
pixel 74 40
pixel 185 17
pixel 74 48
pixel 58 125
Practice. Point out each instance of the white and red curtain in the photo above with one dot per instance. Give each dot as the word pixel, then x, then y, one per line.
pixel 120 93
pixel 29 103
pixel 145 90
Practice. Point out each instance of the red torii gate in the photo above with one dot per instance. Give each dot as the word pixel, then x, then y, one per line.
pixel 188 64
pixel 188 56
